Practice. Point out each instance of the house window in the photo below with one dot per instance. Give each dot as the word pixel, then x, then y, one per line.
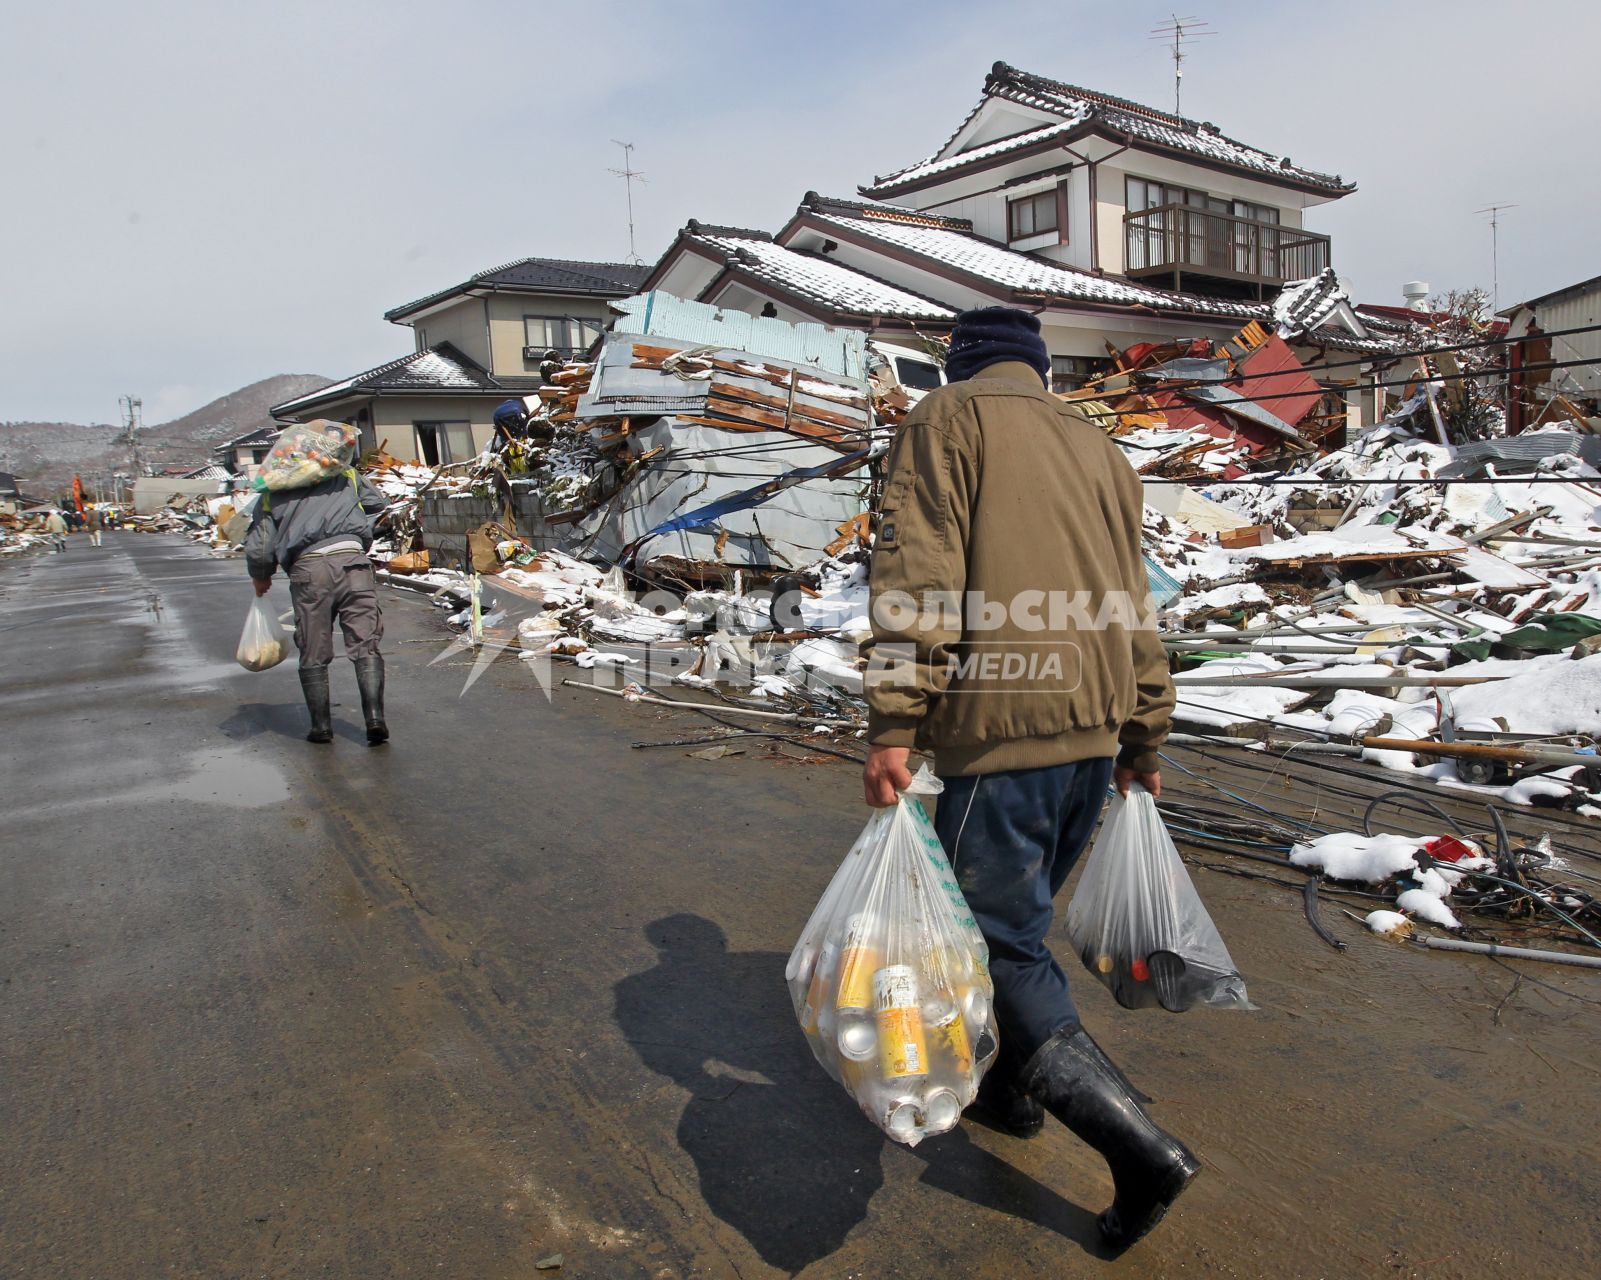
pixel 1031 215
pixel 1243 238
pixel 257 457
pixel 919 375
pixel 566 334
pixel 442 442
pixel 1069 373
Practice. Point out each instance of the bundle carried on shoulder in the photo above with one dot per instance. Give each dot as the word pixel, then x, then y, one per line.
pixel 307 453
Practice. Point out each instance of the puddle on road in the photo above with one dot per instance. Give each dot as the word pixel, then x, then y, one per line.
pixel 232 776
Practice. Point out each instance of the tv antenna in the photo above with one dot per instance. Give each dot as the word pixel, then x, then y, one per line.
pixel 628 174
pixel 1495 211
pixel 1177 30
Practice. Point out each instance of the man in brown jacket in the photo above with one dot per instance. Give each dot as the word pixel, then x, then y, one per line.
pixel 1013 638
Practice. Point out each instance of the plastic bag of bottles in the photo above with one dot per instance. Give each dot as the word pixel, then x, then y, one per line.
pixel 306 454
pixel 1138 924
pixel 890 979
pixel 264 643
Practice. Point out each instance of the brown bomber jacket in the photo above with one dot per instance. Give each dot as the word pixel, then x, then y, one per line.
pixel 1012 625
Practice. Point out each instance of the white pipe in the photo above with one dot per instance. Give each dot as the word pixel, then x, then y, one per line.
pixel 1515 953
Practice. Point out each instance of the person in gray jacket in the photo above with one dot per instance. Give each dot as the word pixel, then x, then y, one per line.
pixel 320 536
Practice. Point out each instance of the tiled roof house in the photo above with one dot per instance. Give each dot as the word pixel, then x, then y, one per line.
pixel 475 344
pixel 1115 222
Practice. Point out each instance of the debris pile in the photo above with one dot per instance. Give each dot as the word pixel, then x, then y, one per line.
pixel 1432 607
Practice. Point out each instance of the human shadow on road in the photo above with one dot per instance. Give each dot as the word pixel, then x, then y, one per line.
pixel 783 1155
pixel 286 719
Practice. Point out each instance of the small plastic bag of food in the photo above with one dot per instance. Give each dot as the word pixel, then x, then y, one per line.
pixel 264 643
pixel 890 979
pixel 1138 924
pixel 307 453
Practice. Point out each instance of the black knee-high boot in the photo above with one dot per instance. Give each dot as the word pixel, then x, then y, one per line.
pixel 370 680
pixel 314 684
pixel 1078 1085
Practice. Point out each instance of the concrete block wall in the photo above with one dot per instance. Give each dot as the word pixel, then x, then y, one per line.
pixel 447 521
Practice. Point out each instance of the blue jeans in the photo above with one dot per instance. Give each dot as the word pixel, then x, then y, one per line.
pixel 1013 839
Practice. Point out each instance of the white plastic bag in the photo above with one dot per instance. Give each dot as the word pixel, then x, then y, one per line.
pixel 890 979
pixel 263 643
pixel 1138 924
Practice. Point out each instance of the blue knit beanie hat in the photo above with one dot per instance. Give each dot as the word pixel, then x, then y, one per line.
pixel 992 334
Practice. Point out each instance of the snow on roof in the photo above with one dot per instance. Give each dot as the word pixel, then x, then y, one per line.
pixel 1306 304
pixel 440 368
pixel 933 166
pixel 1087 109
pixel 821 280
pixel 952 247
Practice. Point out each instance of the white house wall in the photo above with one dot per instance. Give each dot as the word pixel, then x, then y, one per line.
pixel 994 121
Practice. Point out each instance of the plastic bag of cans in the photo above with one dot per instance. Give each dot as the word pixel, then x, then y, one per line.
pixel 890 979
pixel 306 454
pixel 1138 924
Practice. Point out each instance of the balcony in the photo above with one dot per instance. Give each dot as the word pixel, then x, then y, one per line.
pixel 1182 246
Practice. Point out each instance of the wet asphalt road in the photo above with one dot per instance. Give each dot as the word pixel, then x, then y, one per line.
pixel 507 989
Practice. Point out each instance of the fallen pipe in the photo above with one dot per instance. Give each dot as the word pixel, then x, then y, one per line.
pixel 1301 680
pixel 1269 744
pixel 1511 953
pixel 1484 751
pixel 719 708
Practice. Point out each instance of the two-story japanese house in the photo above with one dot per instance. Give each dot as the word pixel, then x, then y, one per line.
pixel 475 344
pixel 1115 222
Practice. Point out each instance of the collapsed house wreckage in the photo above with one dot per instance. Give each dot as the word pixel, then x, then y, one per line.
pixel 692 507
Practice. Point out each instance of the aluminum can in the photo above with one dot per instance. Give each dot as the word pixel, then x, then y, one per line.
pixel 902 1044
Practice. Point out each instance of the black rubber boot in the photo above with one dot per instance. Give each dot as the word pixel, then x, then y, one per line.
pixel 314 684
pixel 370 680
pixel 1004 1104
pixel 1078 1085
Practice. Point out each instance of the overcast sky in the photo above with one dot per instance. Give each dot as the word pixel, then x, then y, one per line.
pixel 195 196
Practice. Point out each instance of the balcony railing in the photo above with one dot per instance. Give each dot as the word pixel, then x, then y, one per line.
pixel 1181 240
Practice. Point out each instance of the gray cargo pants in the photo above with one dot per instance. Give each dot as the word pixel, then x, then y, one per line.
pixel 342 586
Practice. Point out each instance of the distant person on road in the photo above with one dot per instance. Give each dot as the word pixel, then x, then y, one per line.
pixel 320 536
pixel 55 527
pixel 1012 638
pixel 97 522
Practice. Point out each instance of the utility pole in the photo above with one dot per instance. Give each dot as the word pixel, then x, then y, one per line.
pixel 132 407
pixel 628 173
pixel 1494 210
pixel 1178 30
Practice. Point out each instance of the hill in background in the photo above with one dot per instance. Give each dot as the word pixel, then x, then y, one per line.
pixel 45 455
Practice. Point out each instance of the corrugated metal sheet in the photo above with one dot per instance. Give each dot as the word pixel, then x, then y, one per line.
pixel 791 529
pixel 662 315
pixel 1515 455
pixel 1573 312
pixel 1164 587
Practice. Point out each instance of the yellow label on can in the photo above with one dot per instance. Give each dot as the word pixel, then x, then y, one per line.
pixel 856 978
pixel 902 1049
pixel 951 1040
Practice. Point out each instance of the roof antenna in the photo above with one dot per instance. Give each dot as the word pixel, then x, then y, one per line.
pixel 628 173
pixel 1178 30
pixel 1494 210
